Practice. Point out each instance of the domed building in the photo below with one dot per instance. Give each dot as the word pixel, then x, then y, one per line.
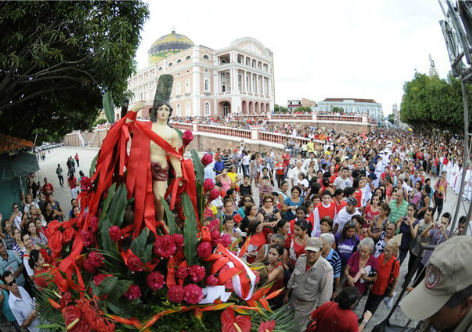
pixel 237 79
pixel 166 45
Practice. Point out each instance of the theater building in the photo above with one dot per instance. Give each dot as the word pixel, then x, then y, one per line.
pixel 353 106
pixel 238 79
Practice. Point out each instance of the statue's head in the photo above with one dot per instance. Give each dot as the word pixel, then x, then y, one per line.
pixel 160 106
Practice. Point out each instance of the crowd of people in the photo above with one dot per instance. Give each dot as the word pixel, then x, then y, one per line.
pixel 329 222
pixel 335 221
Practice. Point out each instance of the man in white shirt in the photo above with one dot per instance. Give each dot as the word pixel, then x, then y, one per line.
pixel 293 173
pixel 343 181
pixel 307 162
pixel 21 305
pixel 345 215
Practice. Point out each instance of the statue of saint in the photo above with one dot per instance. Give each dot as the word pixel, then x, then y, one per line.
pixel 159 158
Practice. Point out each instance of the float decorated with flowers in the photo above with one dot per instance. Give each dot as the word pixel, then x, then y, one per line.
pixel 117 267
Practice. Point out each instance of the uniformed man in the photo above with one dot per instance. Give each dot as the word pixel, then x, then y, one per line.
pixel 311 283
pixel 444 298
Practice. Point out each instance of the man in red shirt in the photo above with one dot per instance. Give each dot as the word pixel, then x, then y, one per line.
pixel 47 187
pixel 286 160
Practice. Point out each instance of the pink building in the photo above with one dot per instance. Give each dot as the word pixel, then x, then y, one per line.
pixel 238 79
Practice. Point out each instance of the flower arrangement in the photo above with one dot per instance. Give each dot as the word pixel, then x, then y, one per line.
pixel 111 274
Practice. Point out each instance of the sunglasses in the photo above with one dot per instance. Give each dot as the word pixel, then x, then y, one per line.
pixel 268 201
pixel 11 283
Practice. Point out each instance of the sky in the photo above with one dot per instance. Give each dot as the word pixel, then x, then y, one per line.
pixel 322 49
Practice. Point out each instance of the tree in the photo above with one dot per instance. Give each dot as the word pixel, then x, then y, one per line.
pixel 280 109
pixel 391 118
pixel 57 59
pixel 431 102
pixel 337 109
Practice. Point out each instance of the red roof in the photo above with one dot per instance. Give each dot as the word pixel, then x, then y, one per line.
pixel 13 144
pixel 357 100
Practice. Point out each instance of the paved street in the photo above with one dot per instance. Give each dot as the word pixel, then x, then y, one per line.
pixel 60 155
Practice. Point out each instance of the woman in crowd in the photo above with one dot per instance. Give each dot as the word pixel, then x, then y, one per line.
pixel 440 190
pixel 276 273
pixel 272 239
pixel 302 230
pixel 29 246
pixel 37 264
pixel 380 221
pixel 256 239
pixel 250 211
pixel 388 270
pixel 280 170
pixel 228 228
pixel 16 216
pixel 268 213
pixel 424 202
pixel 36 214
pixel 372 209
pixel 408 228
pixel 245 200
pixel 283 228
pixel 361 268
pixel 37 238
pixel 339 316
pixel 19 246
pixel 292 203
pixel 383 237
pixel 72 182
pixel 416 194
pixel 8 233
pixel 346 242
pixel 283 194
pixel 225 180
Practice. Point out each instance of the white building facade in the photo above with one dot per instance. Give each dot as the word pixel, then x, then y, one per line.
pixel 238 79
pixel 353 106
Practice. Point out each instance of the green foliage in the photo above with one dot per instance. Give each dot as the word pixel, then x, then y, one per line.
pixel 58 58
pixel 431 102
pixel 93 165
pixel 284 319
pixel 100 122
pixel 391 118
pixel 108 106
pixel 303 109
pixel 190 231
pixel 198 166
pixel 280 109
pixel 170 217
pixel 138 246
pixel 337 109
pixel 118 205
pixel 113 287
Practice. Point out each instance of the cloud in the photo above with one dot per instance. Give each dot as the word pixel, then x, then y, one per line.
pixel 344 48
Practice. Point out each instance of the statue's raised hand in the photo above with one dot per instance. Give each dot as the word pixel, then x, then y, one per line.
pixel 138 106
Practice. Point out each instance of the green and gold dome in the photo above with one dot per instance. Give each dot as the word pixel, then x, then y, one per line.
pixel 168 44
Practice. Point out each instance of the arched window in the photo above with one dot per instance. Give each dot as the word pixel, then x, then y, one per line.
pixel 187 110
pixel 206 57
pixel 207 108
pixel 187 86
pixel 160 68
pixel 170 64
pixel 179 112
pixel 179 61
pixel 207 84
pixel 188 57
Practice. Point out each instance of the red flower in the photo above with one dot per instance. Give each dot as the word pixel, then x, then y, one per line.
pixel 66 299
pixel 96 260
pixel 93 224
pixel 187 137
pixel 211 280
pixel 68 235
pixel 165 246
pixel 214 194
pixel 53 228
pixel 208 185
pixel 133 292
pixel 229 282
pixel 175 294
pixel 226 240
pixel 115 233
pixel 215 234
pixel 182 272
pixel 134 263
pixel 193 294
pixel 178 239
pixel 197 273
pixel 73 319
pixel 55 243
pixel 230 323
pixel 155 280
pixel 207 159
pixel 89 267
pixel 87 237
pixel 267 326
pixel 214 225
pixel 204 250
pixel 86 184
pixel 97 280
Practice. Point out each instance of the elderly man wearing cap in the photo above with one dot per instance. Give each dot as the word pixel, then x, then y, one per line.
pixel 311 283
pixel 444 297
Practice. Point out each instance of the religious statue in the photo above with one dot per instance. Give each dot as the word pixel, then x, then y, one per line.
pixel 159 158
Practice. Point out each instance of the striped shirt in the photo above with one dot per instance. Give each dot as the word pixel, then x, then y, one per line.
pixel 12 263
pixel 335 261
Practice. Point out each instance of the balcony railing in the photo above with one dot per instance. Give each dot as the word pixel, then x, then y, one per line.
pixel 227 131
